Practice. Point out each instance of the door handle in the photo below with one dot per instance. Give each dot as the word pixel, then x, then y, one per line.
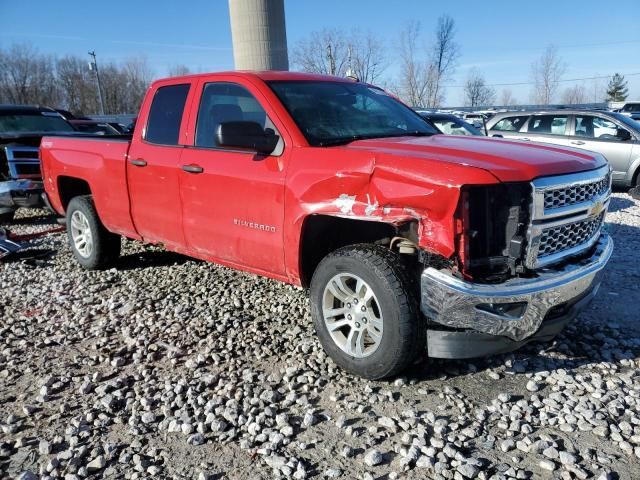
pixel 577 142
pixel 526 139
pixel 139 162
pixel 192 168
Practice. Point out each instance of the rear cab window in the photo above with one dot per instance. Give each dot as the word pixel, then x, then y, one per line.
pixel 165 115
pixel 510 124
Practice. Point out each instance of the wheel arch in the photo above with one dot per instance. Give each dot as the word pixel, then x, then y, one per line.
pixel 322 234
pixel 70 187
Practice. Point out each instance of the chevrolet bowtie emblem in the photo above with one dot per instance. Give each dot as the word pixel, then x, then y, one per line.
pixel 597 209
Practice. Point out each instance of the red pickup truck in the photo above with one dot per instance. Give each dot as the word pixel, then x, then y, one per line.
pixel 408 240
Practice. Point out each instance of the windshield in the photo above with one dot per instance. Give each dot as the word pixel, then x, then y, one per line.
pixel 36 122
pixel 333 113
pixel 628 121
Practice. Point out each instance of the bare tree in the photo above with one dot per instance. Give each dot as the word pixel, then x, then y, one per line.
pixel 598 90
pixel 77 85
pixel 417 77
pixel 575 95
pixel 366 57
pixel 507 99
pixel 547 72
pixel 476 91
pixel 27 76
pixel 138 76
pixel 444 54
pixel 178 70
pixel 333 52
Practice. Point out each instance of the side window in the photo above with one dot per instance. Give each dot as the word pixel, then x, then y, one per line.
pixel 226 102
pixel 549 124
pixel 165 115
pixel 510 124
pixel 596 127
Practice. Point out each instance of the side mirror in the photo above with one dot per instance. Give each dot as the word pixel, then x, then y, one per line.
pixel 623 135
pixel 246 135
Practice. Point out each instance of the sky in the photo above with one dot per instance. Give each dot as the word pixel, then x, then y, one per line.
pixel 500 39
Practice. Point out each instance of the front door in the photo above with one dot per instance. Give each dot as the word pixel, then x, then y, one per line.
pixel 600 134
pixel 233 200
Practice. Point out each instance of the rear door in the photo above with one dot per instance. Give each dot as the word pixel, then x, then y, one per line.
pixel 153 166
pixel 548 128
pixel 233 200
pixel 600 134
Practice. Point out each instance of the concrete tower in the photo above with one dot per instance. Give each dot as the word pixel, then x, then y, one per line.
pixel 259 34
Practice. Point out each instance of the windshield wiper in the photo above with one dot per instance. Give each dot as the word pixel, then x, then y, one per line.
pixel 415 133
pixel 345 140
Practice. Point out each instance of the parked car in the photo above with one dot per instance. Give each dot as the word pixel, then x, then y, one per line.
pixel 21 128
pixel 449 124
pixel 475 119
pixel 631 109
pixel 91 126
pixel 614 135
pixel 405 238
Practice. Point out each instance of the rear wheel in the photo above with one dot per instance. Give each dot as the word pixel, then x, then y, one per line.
pixel 93 245
pixel 364 311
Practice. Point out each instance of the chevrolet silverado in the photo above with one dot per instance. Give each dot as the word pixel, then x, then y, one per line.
pixel 408 240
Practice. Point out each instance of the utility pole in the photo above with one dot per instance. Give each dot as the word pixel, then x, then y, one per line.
pixel 331 60
pixel 94 66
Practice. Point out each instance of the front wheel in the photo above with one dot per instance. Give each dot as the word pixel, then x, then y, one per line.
pixel 364 311
pixel 93 245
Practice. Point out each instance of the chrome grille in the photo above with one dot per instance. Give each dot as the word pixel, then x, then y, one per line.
pixel 24 162
pixel 572 195
pixel 569 235
pixel 567 213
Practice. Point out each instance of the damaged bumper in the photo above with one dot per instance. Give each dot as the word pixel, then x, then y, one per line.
pixel 480 319
pixel 20 193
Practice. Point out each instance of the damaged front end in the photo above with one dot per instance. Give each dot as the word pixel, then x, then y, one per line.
pixel 528 263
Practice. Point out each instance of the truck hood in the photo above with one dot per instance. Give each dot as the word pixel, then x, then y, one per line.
pixel 507 160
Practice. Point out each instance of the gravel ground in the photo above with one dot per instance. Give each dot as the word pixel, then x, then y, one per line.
pixel 172 368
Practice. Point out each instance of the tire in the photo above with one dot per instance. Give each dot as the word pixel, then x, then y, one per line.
pixel 100 247
pixel 7 216
pixel 380 352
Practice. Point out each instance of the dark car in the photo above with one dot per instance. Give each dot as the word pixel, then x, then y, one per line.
pixel 21 129
pixel 449 124
pixel 91 126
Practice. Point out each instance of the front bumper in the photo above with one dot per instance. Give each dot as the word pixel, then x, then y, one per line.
pixel 20 193
pixel 502 317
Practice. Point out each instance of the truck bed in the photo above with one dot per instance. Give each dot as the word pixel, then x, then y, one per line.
pixel 101 162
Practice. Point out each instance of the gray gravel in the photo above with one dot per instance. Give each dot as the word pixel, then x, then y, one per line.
pixel 168 367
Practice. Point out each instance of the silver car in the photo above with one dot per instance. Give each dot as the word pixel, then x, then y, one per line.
pixel 614 135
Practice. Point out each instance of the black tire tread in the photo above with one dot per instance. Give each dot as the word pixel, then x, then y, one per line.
pixel 388 266
pixel 106 244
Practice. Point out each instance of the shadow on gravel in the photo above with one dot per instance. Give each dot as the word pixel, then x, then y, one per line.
pixel 46 219
pixel 151 259
pixel 618 204
pixel 578 346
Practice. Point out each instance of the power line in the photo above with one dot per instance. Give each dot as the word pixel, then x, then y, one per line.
pixel 559 81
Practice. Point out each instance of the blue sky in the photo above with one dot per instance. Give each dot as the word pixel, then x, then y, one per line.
pixel 500 38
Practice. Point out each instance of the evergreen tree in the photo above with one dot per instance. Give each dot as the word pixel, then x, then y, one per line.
pixel 617 89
